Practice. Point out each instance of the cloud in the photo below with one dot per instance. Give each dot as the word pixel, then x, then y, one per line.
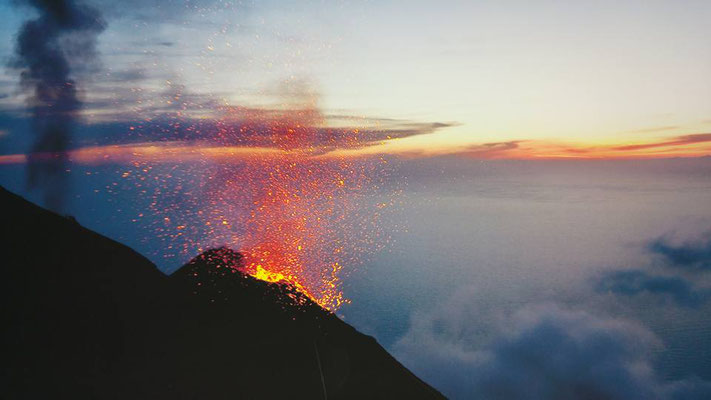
pixel 689 255
pixel 539 352
pixel 197 124
pixel 51 51
pixel 176 113
pixel 693 145
pixel 675 141
pixel 633 282
pixel 491 150
pixel 266 122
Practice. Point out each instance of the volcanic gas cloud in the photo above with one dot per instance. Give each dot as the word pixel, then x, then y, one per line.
pixel 48 49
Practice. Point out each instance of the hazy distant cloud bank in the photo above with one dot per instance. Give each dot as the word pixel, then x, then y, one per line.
pixel 687 257
pixel 552 352
pixel 690 254
pixel 633 282
pixel 540 352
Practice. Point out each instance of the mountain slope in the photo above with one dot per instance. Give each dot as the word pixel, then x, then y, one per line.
pixel 86 317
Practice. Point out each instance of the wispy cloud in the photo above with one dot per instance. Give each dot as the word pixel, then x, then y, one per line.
pixel 673 142
pixel 693 256
pixel 491 150
pixel 181 121
pixel 692 145
pixel 241 133
pixel 688 255
pixel 633 282
pixel 538 352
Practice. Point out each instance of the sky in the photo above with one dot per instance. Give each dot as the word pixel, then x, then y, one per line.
pixel 478 185
pixel 504 79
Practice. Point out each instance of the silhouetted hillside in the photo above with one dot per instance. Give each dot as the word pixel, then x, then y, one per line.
pixel 86 317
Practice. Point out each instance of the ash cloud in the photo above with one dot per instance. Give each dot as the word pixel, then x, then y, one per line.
pixel 48 50
pixel 538 352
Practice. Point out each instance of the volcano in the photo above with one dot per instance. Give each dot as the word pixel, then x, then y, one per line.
pixel 87 317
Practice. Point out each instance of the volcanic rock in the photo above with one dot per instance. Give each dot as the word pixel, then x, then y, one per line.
pixel 86 317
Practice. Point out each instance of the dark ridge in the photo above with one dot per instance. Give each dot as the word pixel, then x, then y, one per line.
pixel 86 317
pixel 215 275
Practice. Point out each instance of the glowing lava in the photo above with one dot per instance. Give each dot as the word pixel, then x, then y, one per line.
pixel 299 217
pixel 277 185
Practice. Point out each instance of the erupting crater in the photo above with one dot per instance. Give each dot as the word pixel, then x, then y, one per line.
pixel 298 209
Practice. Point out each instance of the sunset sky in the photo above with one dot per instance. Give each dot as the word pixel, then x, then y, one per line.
pixel 504 79
pixel 476 184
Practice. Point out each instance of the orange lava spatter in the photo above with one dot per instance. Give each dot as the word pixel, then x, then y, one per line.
pixel 273 185
pixel 302 209
pixel 296 213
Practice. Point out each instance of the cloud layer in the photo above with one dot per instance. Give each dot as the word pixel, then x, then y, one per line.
pixel 539 352
pixel 691 256
pixel 688 255
pixel 633 282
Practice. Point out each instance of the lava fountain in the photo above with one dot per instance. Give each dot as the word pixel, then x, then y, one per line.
pixel 281 186
pixel 297 213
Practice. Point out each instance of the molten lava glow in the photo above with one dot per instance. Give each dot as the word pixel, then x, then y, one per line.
pixel 297 217
pixel 259 272
pixel 302 222
pixel 278 185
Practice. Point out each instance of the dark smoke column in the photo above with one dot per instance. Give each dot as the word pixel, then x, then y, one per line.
pixel 64 34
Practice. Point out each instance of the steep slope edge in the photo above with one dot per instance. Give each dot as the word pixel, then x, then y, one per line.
pixel 84 316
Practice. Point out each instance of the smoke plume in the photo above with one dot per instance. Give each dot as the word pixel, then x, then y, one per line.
pixel 62 36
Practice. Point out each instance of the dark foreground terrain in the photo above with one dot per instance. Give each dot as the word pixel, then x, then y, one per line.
pixel 86 317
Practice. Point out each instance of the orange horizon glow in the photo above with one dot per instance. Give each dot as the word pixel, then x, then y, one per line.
pixel 176 152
